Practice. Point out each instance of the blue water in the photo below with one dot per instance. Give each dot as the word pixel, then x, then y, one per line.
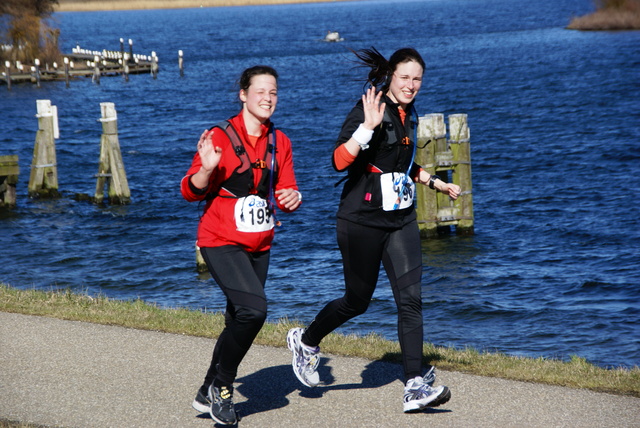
pixel 553 268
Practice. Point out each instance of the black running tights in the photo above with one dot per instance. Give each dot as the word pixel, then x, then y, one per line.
pixel 363 248
pixel 241 277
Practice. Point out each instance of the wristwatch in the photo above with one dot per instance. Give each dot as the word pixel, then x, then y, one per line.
pixel 432 181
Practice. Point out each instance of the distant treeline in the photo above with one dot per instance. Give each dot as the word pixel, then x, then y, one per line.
pixel 95 5
pixel 610 15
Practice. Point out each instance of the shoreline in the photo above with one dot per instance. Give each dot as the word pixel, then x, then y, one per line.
pixel 610 16
pixel 575 373
pixel 109 5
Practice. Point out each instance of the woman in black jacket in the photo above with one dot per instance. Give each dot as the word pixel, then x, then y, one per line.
pixel 377 221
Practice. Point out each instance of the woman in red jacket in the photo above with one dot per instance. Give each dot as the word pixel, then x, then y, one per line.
pixel 243 167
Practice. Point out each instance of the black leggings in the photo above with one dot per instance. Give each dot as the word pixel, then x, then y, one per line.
pixel 241 276
pixel 363 248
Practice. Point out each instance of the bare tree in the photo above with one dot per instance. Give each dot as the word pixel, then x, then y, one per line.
pixel 24 29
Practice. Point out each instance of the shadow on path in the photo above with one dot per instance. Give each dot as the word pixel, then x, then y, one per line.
pixel 268 388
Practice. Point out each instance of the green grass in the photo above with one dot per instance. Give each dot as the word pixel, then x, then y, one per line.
pixel 575 373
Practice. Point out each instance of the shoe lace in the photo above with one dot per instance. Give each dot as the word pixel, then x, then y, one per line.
pixel 226 397
pixel 417 387
pixel 430 377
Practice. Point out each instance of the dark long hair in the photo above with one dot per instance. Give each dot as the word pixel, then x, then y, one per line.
pixel 257 70
pixel 382 69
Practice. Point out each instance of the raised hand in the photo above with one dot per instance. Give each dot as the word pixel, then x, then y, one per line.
pixel 209 154
pixel 373 108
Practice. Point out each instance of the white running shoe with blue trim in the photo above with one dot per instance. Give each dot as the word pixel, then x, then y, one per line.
pixel 305 360
pixel 419 394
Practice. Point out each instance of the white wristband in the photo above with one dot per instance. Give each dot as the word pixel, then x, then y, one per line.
pixel 363 136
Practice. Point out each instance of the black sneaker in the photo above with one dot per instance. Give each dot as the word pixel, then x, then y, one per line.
pixel 202 403
pixel 222 409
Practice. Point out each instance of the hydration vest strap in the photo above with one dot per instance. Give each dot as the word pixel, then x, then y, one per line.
pixel 241 181
pixel 236 142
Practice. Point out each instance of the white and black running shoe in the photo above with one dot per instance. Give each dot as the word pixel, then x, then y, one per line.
pixel 418 395
pixel 305 359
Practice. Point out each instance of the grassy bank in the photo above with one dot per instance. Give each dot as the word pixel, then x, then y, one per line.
pixel 95 5
pixel 576 373
pixel 610 15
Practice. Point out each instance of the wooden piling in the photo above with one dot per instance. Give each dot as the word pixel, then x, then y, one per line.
pixel 43 180
pixel 459 142
pixel 450 160
pixel 96 70
pixel 7 66
pixel 431 130
pixel 9 171
pixel 201 266
pixel 36 72
pixel 125 67
pixel 66 71
pixel 154 65
pixel 111 167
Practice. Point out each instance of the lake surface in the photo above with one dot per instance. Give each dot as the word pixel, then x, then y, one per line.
pixel 553 268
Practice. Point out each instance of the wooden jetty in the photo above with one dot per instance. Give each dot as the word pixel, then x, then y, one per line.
pixel 81 63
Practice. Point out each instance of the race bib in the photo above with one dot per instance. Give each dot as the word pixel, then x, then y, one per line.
pixel 397 191
pixel 252 214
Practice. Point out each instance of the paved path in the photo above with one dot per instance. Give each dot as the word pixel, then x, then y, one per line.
pixel 75 374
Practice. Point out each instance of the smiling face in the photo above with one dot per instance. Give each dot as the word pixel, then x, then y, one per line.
pixel 260 99
pixel 405 83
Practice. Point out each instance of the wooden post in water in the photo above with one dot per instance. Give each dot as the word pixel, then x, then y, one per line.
pixel 7 66
pixel 154 65
pixel 111 167
pixel 201 266
pixel 66 71
pixel 431 133
pixel 96 69
pixel 43 180
pixel 9 171
pixel 459 141
pixel 125 67
pixel 450 160
pixel 37 72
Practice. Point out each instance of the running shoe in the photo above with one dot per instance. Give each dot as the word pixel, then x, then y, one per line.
pixel 202 403
pixel 430 377
pixel 419 395
pixel 222 409
pixel 305 359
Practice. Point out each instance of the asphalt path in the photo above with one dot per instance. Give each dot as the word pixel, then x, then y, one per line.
pixel 75 374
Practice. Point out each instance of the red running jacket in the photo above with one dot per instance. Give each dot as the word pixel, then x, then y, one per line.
pixel 217 225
